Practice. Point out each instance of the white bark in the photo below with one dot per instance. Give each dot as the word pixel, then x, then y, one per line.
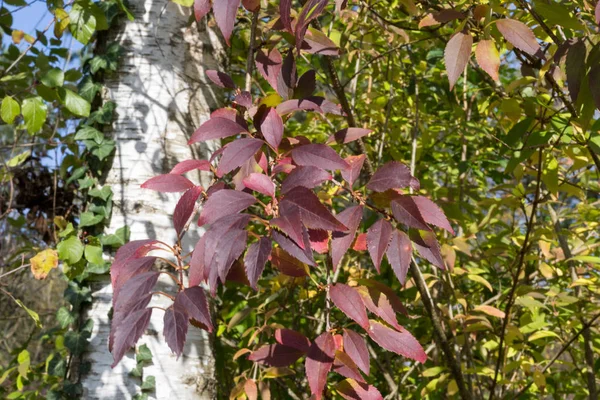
pixel 162 96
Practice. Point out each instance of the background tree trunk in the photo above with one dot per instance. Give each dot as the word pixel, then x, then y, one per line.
pixel 162 96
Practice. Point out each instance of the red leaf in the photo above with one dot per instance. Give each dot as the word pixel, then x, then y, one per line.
pixel 399 253
pixel 260 183
pixel 290 259
pixel 244 99
pixel 230 114
pixel 306 176
pixel 175 329
pixel 319 240
pixel 407 212
pixel 306 85
pixel 361 242
pixel 286 80
pixel 223 203
pixel 519 35
pixel 393 175
pixel 255 260
pixel 220 79
pixel 201 8
pixel 129 332
pixel 193 302
pixel 345 366
pixel 290 223
pixel 575 68
pixel 285 8
pixel 319 361
pixel 250 387
pixel 313 103
pixel 126 253
pixel 132 267
pixel 311 10
pixel 236 153
pixel 185 208
pixel 216 128
pixel 356 348
pixel 341 241
pixel 440 18
pixel 272 128
pixel 269 65
pixel 348 135
pixel 378 304
pixel 291 338
pixel 488 58
pixel 316 42
pixel 378 238
pixel 318 155
pixel 375 286
pixel 597 13
pixel 349 301
pixel 275 355
pixel 428 247
pixel 349 389
pixel 456 55
pixel 431 213
pixel 190 165
pixel 314 214
pixel 196 272
pixel 351 174
pixel 168 183
pixel 402 343
pixel 225 12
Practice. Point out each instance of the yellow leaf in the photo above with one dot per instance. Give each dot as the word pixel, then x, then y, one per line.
pixel 481 280
pixel 277 372
pixel 17 36
pixel 489 310
pixel 240 353
pixel 43 263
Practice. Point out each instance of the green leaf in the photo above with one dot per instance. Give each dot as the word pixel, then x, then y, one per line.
pixel 185 3
pixel 18 159
pixel 64 317
pixel 89 133
pixel 34 316
pixel 9 110
pixel 76 342
pixel 24 362
pixel 88 88
pixel 143 354
pixel 75 103
pixel 82 23
pixel 70 250
pixel 149 384
pixel 54 78
pixel 94 254
pixel 125 10
pixel 34 114
pixel 103 193
pixel 104 150
pixel 542 334
pixel 587 259
pixel 117 239
pixel 89 219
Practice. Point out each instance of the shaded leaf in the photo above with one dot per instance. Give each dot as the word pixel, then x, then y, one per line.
pixel 456 55
pixel 402 343
pixel 575 68
pixel 314 214
pixel 349 301
pixel 286 80
pixel 168 183
pixel 196 271
pixel 275 355
pixel 428 247
pixel 348 135
pixel 352 173
pixel 288 264
pixel 356 347
pixel 407 212
pixel 291 338
pixel 175 328
pixel 319 361
pixel 349 389
pixel 307 176
pixel 343 365
pixel 220 78
pixel 440 17
pixel 306 85
pixel 223 203
pixel 236 153
pixel 185 207
pixel 129 332
pixel 269 65
pixel 594 80
pixel 341 241
pixel 193 302
pixel 392 175
pixel 431 213
pixel 378 303
pixel 290 223
pixel 271 128
pixel 317 42
pixel 378 239
pixel 255 260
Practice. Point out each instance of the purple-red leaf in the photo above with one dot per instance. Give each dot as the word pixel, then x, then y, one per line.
pixel 236 153
pixel 319 361
pixel 575 68
pixel 318 155
pixel 428 247
pixel 313 103
pixel 291 224
pixel 244 99
pixel 286 80
pixel 293 339
pixel 399 253
pixel 393 175
pixel 216 128
pixel 348 135
pixel 255 260
pixel 341 241
pixel 127 253
pixel 314 214
pixel 306 176
pixel 431 213
pixel 196 273
pixel 441 17
pixel 275 355
pixel 349 389
pixel 456 55
pixel 378 239
pixel 260 183
pixel 168 183
pixel 407 212
pixel 201 8
pixel 379 304
pixel 190 165
pixel 285 9
pixel 488 58
pixel 352 173
pixel 356 348
pixel 193 302
pixel 402 343
pixel 597 13
pixel 272 128
pixel 291 251
pixel 223 203
pixel 129 332
pixel 519 35
pixel 316 42
pixel 345 366
pixel 225 12
pixel 376 287
pixel 220 79
pixel 306 85
pixel 175 329
pixel 269 65
pixel 311 10
pixel 185 208
pixel 319 240
pixel 349 301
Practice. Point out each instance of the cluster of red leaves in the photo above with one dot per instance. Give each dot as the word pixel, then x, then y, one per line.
pixel 262 209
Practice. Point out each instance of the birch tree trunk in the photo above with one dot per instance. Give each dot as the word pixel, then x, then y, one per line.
pixel 162 96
